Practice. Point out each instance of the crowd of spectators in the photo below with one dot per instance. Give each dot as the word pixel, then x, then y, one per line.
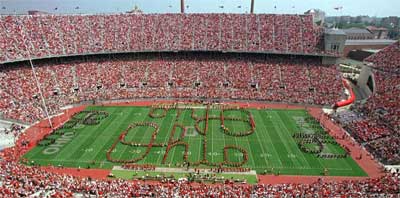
pixel 18 180
pixel 387 59
pixel 368 129
pixel 379 126
pixel 255 77
pixel 38 36
pixel 223 76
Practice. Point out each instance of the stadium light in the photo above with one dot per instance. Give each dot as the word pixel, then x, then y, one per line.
pixel 183 6
pixel 252 7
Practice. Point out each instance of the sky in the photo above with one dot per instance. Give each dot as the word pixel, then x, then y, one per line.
pixel 379 8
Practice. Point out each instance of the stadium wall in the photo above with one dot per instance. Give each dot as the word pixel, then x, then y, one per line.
pixel 362 81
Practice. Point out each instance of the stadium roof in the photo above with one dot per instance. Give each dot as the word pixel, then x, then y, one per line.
pixel 356 31
pixel 370 42
pixel 335 31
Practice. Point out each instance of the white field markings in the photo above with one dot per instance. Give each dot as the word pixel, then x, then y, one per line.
pixel 283 140
pixel 68 151
pixel 321 162
pixel 212 139
pixel 147 158
pixel 69 160
pixel 289 138
pixel 129 117
pixel 126 147
pixel 266 133
pixel 343 161
pixel 111 138
pixel 106 130
pixel 236 143
pixel 191 123
pixel 223 137
pixel 301 168
pixel 167 137
pixel 171 124
pixel 255 167
pixel 242 140
pixel 245 138
pixel 211 136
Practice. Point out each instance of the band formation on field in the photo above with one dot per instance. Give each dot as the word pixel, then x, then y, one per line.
pixel 213 136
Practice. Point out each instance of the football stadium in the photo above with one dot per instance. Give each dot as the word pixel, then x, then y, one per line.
pixel 186 104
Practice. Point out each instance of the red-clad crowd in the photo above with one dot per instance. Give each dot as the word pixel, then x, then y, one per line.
pixel 379 128
pixel 223 76
pixel 60 35
pixel 290 79
pixel 368 129
pixel 18 180
pixel 384 103
pixel 387 59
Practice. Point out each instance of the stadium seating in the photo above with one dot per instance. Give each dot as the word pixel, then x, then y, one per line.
pixel 19 180
pixel 387 59
pixel 278 78
pixel 379 126
pixel 63 35
pixel 271 78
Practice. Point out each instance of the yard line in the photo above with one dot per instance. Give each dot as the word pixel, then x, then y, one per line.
pixel 250 151
pixel 336 151
pixel 76 145
pixel 212 139
pixel 237 157
pixel 261 145
pixel 105 131
pixel 191 124
pixel 317 159
pixel 283 140
pixel 166 138
pixel 222 138
pixel 290 138
pixel 126 147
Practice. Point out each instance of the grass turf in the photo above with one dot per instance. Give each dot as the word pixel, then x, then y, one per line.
pixel 271 148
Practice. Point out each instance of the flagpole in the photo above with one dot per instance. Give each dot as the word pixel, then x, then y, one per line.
pixel 37 81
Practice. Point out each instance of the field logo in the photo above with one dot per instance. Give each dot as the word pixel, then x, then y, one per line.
pixel 55 141
pixel 59 143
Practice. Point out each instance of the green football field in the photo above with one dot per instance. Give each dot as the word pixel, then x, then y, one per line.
pixel 287 142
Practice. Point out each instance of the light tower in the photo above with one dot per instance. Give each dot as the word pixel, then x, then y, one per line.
pixel 252 7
